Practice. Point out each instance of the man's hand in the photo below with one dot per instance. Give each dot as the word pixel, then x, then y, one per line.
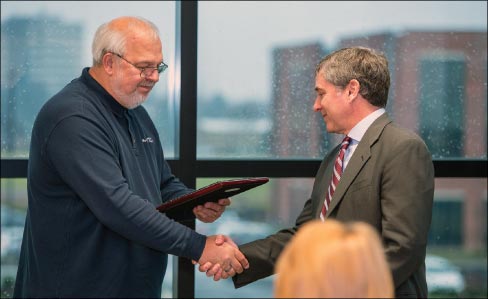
pixel 221 258
pixel 216 270
pixel 211 211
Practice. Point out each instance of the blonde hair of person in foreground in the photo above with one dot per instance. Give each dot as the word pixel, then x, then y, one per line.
pixel 334 260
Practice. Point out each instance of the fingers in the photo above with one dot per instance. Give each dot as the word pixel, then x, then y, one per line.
pixel 226 255
pixel 213 270
pixel 216 271
pixel 221 254
pixel 206 267
pixel 211 211
pixel 229 240
pixel 241 258
pixel 205 215
pixel 227 274
pixel 218 275
pixel 221 239
pixel 236 265
pixel 217 207
pixel 238 262
pixel 213 208
pixel 225 201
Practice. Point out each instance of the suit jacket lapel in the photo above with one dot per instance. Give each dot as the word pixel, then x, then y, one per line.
pixel 358 160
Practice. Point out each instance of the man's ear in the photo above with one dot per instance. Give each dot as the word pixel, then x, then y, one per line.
pixel 353 89
pixel 108 62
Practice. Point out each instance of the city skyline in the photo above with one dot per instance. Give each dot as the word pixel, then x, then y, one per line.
pixel 294 83
pixel 244 42
pixel 225 63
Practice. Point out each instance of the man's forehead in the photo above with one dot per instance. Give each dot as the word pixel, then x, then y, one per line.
pixel 143 48
pixel 320 79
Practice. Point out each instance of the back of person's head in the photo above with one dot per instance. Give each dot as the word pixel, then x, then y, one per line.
pixel 334 260
pixel 363 64
pixel 112 36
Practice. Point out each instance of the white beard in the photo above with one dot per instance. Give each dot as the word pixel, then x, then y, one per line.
pixel 132 100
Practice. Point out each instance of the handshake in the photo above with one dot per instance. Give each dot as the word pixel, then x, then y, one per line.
pixel 221 258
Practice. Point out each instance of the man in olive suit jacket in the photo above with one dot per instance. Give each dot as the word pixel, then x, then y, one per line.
pixel 387 179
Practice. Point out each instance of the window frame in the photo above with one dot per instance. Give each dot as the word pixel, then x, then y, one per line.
pixel 188 168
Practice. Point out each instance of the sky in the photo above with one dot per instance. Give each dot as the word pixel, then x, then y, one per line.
pixel 236 37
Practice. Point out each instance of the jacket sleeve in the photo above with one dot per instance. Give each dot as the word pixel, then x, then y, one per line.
pixel 262 254
pixel 86 159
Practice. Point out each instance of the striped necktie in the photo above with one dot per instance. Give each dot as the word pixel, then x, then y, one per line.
pixel 336 176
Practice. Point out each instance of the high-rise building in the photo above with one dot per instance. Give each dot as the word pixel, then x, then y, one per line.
pixel 50 57
pixel 439 90
pixel 438 78
pixel 298 131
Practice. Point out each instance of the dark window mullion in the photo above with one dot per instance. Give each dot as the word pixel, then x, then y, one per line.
pixel 17 168
pixel 187 13
pixel 308 168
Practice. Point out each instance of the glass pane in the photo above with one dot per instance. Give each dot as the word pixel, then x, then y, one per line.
pixel 457 252
pixel 13 209
pixel 252 215
pixel 45 44
pixel 256 74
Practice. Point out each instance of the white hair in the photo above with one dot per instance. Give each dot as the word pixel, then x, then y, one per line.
pixel 112 39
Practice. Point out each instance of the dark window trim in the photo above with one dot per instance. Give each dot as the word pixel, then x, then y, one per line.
pixel 188 168
pixel 184 168
pixel 188 172
pixel 308 168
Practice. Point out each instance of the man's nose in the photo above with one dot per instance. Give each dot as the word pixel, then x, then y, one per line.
pixel 316 106
pixel 154 76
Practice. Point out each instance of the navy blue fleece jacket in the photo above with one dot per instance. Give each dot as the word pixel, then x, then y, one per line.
pixel 96 173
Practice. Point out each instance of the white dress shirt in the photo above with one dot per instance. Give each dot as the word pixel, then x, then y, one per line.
pixel 357 134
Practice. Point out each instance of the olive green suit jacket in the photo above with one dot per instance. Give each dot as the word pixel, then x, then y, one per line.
pixel 388 183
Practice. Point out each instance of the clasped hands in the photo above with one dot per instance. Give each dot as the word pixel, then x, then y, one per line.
pixel 221 257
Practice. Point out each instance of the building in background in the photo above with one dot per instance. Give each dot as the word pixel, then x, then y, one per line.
pixel 298 131
pixel 446 84
pixel 444 92
pixel 49 58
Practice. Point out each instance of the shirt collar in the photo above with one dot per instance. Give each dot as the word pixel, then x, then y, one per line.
pixel 105 97
pixel 361 127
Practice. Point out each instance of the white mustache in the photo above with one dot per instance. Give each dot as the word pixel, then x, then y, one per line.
pixel 147 84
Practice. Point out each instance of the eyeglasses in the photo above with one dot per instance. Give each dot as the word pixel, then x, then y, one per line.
pixel 146 71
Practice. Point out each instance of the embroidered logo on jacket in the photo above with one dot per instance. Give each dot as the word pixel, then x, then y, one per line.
pixel 147 139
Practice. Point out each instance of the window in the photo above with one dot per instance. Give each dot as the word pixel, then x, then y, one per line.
pixel 442 102
pixel 251 112
pixel 447 222
pixel 256 74
pixel 253 215
pixel 256 63
pixel 44 46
